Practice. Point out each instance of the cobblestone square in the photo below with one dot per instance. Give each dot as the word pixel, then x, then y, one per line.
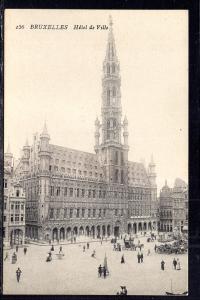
pixel 77 272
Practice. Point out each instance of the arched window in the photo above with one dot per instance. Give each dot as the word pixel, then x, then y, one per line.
pixel 108 69
pixel 116 157
pixel 108 97
pixel 122 176
pixel 113 68
pixel 114 91
pixel 116 175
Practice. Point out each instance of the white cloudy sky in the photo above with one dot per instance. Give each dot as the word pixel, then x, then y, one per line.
pixel 57 75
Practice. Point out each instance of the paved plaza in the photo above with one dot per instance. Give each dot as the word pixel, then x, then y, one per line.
pixel 77 272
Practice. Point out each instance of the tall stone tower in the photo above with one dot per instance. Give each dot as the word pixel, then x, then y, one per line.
pixel 112 153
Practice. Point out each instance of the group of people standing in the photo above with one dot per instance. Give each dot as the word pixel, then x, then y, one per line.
pixel 176 264
pixel 102 271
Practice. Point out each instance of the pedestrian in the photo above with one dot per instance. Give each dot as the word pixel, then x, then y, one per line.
pixel 17 248
pixel 74 239
pixel 88 245
pixel 148 252
pixel 138 257
pixel 52 248
pixel 60 249
pixel 162 265
pixel 155 247
pixel 174 263
pixel 141 257
pixel 104 272
pixel 178 264
pixel 25 250
pixel 6 256
pixel 49 242
pixel 122 259
pixel 100 270
pixel 84 248
pixel 18 273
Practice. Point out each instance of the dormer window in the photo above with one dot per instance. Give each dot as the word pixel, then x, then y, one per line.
pixel 17 193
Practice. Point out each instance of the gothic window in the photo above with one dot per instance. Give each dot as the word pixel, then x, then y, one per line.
pixel 116 175
pixel 17 193
pixel 113 68
pixel 65 191
pixel 83 212
pixel 71 192
pixel 58 191
pixel 65 213
pixel 89 213
pixel 71 213
pixel 114 91
pixel 94 194
pixel 122 176
pixel 104 212
pixel 78 213
pixel 108 69
pixel 57 213
pixel 116 212
pixel 100 213
pixel 77 192
pixel 83 193
pixel 122 158
pixel 116 157
pixel 94 213
pixel 108 97
pixel 89 193
pixel 99 193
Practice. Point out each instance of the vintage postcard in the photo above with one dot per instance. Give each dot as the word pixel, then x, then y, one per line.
pixel 96 152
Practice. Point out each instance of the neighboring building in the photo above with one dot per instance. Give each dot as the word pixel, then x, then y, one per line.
pixel 174 207
pixel 71 192
pixel 14 206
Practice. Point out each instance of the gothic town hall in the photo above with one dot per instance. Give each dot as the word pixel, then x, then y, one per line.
pixel 71 193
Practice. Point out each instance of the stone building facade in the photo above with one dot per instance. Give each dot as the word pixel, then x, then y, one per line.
pixel 173 207
pixel 70 192
pixel 14 206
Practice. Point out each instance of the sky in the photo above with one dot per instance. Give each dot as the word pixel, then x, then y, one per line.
pixel 55 75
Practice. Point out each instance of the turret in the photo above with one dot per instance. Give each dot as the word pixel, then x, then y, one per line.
pixel 44 153
pixel 8 157
pixel 26 157
pixel 151 172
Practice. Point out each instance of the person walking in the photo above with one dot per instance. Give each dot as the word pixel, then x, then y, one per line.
pixel 60 249
pixel 155 247
pixel 25 250
pixel 100 271
pixel 6 256
pixel 84 248
pixel 178 264
pixel 18 274
pixel 88 245
pixel 141 257
pixel 138 257
pixel 125 291
pixel 174 263
pixel 162 265
pixel 17 247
